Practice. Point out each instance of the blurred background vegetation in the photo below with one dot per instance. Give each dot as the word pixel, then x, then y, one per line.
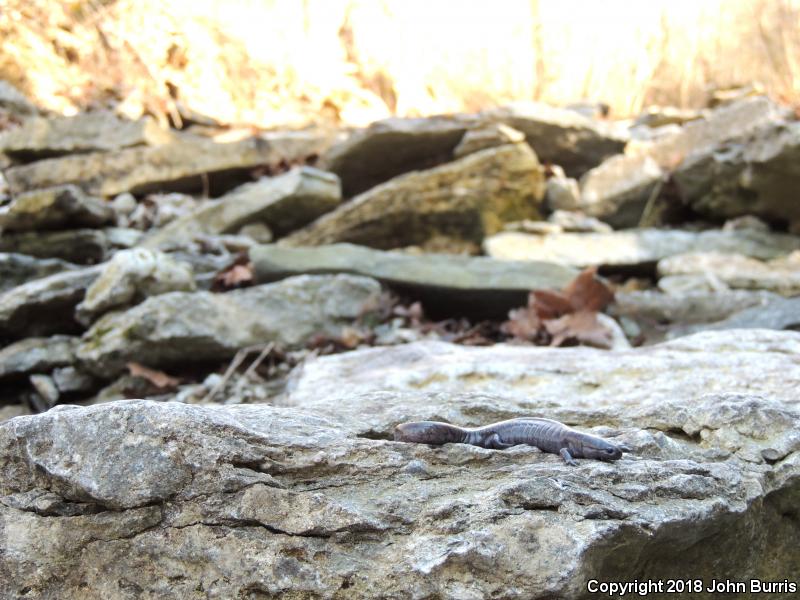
pixel 292 62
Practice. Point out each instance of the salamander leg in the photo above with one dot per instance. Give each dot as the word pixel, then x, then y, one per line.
pixel 494 442
pixel 564 452
pixel 624 448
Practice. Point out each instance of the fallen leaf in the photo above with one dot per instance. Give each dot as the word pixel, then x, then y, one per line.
pixel 237 275
pixel 158 378
pixel 587 292
pixel 582 327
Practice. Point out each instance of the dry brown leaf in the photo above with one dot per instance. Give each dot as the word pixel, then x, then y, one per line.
pixel 587 292
pixel 237 275
pixel 548 304
pixel 158 378
pixel 582 327
pixel 523 324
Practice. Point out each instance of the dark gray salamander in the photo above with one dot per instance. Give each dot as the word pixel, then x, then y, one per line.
pixel 545 434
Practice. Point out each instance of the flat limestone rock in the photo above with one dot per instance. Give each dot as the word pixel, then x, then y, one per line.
pixel 37 355
pixel 561 136
pixel 188 164
pixel 61 207
pixel 44 137
pixel 697 306
pixel 618 189
pixel 755 174
pixel 129 277
pixel 780 313
pixel 465 200
pixel 636 246
pixel 579 384
pixel 780 275
pixel 16 269
pixel 391 147
pixel 283 203
pixel 14 101
pixel 477 284
pixel 45 306
pixel 80 246
pixel 97 498
pixel 186 327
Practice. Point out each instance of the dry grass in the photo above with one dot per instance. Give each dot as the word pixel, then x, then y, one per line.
pixel 288 62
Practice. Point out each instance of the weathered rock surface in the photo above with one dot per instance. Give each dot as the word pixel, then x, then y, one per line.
pixel 37 355
pixel 486 136
pixel 466 200
pixel 780 313
pixel 129 277
pixel 636 246
pixel 43 137
pixel 562 192
pixel 143 498
pixel 618 190
pixel 716 270
pixel 80 246
pixel 392 147
pixel 756 174
pixel 45 306
pixel 283 203
pixel 182 327
pixel 561 136
pixel 478 285
pixel 688 307
pixel 60 207
pixel 188 164
pixel 16 269
pixel 579 384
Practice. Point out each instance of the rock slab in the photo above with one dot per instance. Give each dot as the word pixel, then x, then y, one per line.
pixel 465 200
pixel 186 327
pixel 479 285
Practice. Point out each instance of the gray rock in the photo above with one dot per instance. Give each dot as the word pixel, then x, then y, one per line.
pixel 720 271
pixel 14 101
pixel 659 116
pixel 71 379
pixel 465 200
pixel 634 247
pixel 44 137
pixel 283 203
pixel 577 221
pixel 562 192
pixel 181 327
pixel 754 174
pixel 98 496
pixel 60 207
pixel 780 313
pixel 16 269
pixel 486 136
pixel 688 307
pixel 189 164
pixel 377 387
pixel 562 136
pixel 129 277
pixel 46 393
pixel 618 190
pixel 392 147
pixel 477 285
pixel 45 306
pixel 81 246
pixel 13 410
pixel 37 355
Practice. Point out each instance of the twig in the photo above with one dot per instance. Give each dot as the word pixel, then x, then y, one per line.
pixel 259 359
pixel 235 363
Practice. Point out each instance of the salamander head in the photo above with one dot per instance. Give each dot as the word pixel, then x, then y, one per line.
pixel 590 446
